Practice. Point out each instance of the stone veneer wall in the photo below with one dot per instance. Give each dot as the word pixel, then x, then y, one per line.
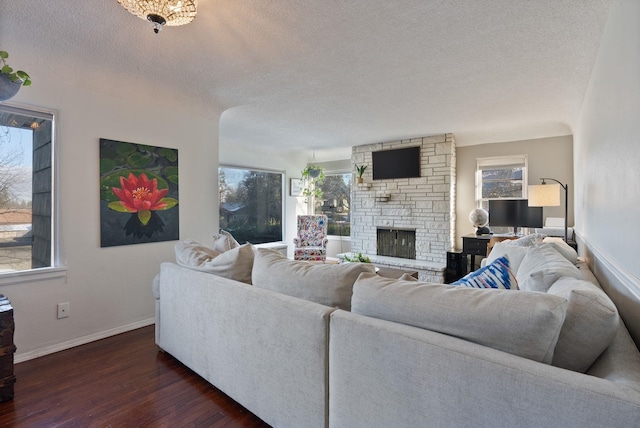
pixel 425 204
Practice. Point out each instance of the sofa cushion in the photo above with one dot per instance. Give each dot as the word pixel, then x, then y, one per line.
pixel 224 241
pixel 542 266
pixel 327 284
pixel 408 277
pixel 590 326
pixel 235 264
pixel 497 274
pixel 515 253
pixel 520 323
pixel 563 248
pixel 530 240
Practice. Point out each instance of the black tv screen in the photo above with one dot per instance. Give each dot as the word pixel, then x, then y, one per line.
pixel 397 163
pixel 514 213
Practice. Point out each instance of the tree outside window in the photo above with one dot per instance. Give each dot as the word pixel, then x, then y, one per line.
pixel 26 184
pixel 251 204
pixel 335 203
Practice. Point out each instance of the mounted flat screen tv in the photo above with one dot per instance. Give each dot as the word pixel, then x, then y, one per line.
pixel 396 163
pixel 514 213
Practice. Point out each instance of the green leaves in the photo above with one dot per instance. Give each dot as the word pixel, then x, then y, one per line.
pixel 15 76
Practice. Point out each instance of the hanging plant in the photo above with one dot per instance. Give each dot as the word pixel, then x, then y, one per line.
pixel 313 177
pixel 10 80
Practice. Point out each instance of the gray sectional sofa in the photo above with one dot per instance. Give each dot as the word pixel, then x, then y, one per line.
pixel 302 346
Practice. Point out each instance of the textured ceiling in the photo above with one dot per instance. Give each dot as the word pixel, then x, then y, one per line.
pixel 300 74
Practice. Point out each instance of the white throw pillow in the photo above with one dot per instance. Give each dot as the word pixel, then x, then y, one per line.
pixel 224 241
pixel 327 284
pixel 515 253
pixel 192 253
pixel 236 263
pixel 520 323
pixel 590 327
pixel 542 266
pixel 527 240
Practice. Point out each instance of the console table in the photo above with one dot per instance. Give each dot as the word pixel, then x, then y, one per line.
pixel 475 245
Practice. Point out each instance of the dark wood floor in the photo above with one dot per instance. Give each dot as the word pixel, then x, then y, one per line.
pixel 121 381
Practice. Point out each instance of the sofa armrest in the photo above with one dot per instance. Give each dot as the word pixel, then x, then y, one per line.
pixel 389 374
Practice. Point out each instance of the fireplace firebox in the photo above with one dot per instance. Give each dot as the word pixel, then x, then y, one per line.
pixel 397 243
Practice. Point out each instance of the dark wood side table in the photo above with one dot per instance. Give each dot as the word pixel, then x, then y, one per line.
pixel 475 245
pixel 7 349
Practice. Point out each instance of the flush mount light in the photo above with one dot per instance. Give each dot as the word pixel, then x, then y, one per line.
pixel 162 12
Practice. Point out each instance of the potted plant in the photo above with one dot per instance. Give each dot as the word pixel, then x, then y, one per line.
pixel 10 80
pixel 361 169
pixel 313 176
pixel 312 171
pixel 359 258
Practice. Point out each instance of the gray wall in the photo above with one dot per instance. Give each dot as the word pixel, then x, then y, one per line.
pixel 547 157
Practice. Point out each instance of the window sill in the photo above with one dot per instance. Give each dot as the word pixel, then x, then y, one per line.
pixel 33 275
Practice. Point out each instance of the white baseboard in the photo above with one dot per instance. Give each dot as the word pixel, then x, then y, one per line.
pixel 19 358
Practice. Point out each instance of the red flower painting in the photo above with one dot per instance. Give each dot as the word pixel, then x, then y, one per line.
pixel 140 195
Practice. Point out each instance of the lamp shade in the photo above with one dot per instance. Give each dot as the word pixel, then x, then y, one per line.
pixel 544 195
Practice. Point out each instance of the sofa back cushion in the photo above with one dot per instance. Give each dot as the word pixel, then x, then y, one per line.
pixel 327 284
pixel 542 266
pixel 590 326
pixel 518 322
pixel 567 251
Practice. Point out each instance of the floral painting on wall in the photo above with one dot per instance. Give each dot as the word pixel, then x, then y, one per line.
pixel 138 193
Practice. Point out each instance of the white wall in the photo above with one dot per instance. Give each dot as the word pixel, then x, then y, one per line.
pixel 109 289
pixel 607 162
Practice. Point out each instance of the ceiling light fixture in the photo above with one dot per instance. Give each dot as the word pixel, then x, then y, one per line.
pixel 162 12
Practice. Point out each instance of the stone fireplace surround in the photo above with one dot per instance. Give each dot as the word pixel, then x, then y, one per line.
pixel 424 204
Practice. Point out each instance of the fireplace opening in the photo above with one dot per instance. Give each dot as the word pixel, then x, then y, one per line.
pixel 397 243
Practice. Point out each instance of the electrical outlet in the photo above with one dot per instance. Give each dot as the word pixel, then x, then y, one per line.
pixel 63 310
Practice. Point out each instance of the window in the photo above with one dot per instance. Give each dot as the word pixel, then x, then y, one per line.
pixel 335 203
pixel 26 190
pixel 251 204
pixel 501 178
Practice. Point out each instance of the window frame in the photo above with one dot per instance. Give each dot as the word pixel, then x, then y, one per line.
pixel 57 269
pixel 283 210
pixel 496 162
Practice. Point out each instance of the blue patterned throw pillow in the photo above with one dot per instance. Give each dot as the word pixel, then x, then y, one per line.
pixel 495 275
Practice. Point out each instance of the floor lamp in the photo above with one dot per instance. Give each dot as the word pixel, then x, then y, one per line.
pixel 548 195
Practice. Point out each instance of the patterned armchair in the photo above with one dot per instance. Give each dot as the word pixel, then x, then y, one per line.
pixel 311 242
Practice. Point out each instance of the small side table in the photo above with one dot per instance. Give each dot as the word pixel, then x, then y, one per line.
pixel 7 349
pixel 475 245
